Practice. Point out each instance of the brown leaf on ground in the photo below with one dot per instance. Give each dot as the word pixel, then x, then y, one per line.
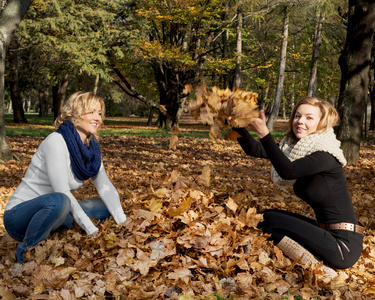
pixel 183 238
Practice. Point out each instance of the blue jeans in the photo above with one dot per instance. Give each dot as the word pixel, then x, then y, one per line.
pixel 32 221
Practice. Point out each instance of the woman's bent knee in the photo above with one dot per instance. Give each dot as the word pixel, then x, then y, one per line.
pixel 62 202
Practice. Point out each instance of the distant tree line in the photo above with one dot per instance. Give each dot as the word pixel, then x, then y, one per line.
pixel 140 54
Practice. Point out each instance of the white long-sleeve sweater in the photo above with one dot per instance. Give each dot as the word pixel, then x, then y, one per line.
pixel 50 171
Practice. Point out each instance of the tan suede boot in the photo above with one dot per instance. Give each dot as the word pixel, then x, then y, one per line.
pixel 294 250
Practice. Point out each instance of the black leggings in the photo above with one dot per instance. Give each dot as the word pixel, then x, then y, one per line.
pixel 337 248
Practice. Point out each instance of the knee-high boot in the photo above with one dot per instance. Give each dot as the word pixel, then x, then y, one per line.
pixel 294 250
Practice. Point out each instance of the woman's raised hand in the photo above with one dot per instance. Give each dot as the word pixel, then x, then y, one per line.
pixel 260 125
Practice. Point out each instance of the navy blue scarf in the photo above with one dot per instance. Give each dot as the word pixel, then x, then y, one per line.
pixel 85 160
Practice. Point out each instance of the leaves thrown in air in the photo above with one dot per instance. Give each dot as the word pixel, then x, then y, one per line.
pixel 217 107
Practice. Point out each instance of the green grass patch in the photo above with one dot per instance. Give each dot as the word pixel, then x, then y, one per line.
pixel 43 126
pixel 32 118
pixel 29 130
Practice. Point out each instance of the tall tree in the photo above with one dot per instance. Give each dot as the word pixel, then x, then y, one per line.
pixel 68 37
pixel 319 19
pixel 10 19
pixel 237 72
pixel 59 95
pixel 181 36
pixel 15 94
pixel 355 65
pixel 280 81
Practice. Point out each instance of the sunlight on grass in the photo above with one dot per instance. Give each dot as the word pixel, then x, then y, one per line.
pixel 43 126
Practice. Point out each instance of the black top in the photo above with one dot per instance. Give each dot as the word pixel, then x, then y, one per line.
pixel 320 178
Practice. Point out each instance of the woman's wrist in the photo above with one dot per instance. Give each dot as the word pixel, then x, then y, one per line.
pixel 262 133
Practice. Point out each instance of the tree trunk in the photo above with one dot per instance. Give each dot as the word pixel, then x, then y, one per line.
pixel 372 114
pixel 15 95
pixel 59 95
pixel 355 64
pixel 280 81
pixel 43 103
pixel 320 17
pixel 10 107
pixel 225 56
pixel 5 153
pixel 10 18
pixel 237 74
pixel 96 86
pixel 150 115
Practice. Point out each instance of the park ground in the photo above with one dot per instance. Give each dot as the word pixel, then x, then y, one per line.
pixel 191 228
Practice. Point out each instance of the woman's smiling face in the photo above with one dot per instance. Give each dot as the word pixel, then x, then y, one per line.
pixel 306 120
pixel 90 122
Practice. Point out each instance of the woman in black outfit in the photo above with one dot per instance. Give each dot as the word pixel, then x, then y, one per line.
pixel 309 158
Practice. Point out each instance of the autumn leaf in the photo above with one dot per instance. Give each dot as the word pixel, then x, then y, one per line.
pixel 187 89
pixel 176 130
pixel 57 261
pixel 145 214
pixel 176 224
pixel 173 141
pixel 231 205
pixel 172 212
pixel 182 274
pixel 205 177
pixel 250 217
pixel 217 108
pixel 162 109
pixel 156 206
pixel 232 136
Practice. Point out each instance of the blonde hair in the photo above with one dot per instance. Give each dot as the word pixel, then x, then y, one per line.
pixel 329 116
pixel 77 105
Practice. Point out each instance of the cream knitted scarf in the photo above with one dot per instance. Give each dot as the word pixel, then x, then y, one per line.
pixel 325 141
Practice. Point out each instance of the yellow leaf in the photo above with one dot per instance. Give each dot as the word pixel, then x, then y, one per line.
pixel 172 212
pixel 186 296
pixel 38 289
pixel 156 205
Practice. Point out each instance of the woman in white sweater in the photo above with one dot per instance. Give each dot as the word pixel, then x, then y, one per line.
pixel 43 201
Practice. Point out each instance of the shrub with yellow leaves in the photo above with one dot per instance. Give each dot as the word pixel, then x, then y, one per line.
pixel 224 108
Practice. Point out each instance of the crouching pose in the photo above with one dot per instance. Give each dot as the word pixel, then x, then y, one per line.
pixel 43 201
pixel 309 158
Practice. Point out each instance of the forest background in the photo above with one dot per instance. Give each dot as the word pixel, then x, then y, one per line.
pixel 139 55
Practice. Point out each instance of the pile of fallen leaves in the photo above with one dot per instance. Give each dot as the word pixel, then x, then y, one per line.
pixel 190 233
pixel 223 108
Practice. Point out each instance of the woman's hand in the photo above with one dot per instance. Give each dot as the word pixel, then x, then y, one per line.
pixel 260 125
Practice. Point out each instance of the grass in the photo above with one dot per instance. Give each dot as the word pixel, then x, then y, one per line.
pixel 43 126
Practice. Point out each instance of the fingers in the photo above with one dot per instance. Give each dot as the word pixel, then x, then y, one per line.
pixel 262 115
